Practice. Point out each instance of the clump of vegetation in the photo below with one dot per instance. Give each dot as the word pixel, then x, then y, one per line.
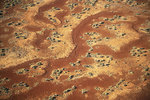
pixel 11 3
pixel 21 35
pixel 22 71
pixel 20 87
pixel 4 91
pixel 4 80
pixel 138 52
pixel 1 13
pixel 70 89
pixel 56 73
pixel 3 51
pixel 53 97
pixel 84 91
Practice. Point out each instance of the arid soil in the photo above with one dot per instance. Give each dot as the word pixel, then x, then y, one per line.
pixel 75 49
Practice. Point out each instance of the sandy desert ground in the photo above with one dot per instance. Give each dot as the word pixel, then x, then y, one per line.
pixel 74 49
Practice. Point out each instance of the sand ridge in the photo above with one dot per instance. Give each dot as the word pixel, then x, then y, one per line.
pixel 74 49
